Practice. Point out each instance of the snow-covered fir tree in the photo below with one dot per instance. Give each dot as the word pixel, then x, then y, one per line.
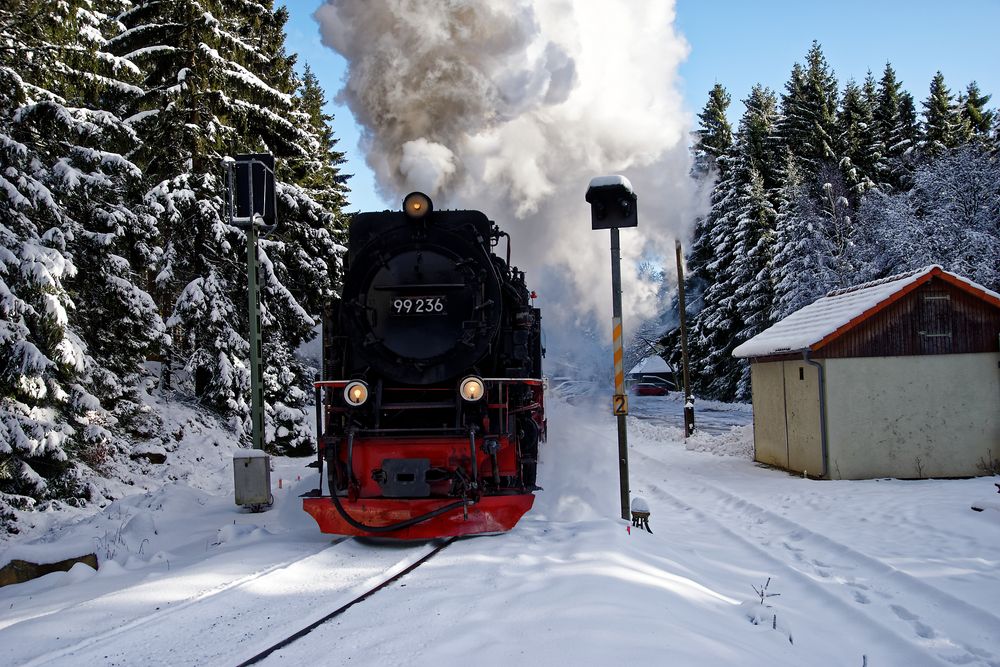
pixel 320 171
pixel 857 140
pixel 975 115
pixel 713 140
pixel 895 120
pixel 741 236
pixel 713 325
pixel 750 271
pixel 941 128
pixel 74 322
pixel 837 225
pixel 801 265
pixel 714 135
pixel 808 125
pixel 218 82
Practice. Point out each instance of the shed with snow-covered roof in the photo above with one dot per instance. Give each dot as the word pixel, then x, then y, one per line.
pixel 899 377
pixel 652 367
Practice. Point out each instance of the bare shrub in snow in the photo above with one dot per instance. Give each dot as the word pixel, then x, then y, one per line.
pixel 759 612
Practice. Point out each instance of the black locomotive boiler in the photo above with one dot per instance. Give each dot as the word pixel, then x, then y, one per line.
pixel 431 406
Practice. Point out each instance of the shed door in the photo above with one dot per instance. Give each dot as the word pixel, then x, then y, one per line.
pixel 770 434
pixel 805 441
pixel 786 416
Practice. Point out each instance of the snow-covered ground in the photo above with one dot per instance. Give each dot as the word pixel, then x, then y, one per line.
pixel 710 417
pixel 879 572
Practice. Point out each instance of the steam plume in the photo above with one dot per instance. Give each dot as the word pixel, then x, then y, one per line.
pixel 511 107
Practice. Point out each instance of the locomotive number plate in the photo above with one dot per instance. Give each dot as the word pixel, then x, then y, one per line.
pixel 418 305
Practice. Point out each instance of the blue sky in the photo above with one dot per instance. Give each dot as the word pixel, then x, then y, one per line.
pixel 739 43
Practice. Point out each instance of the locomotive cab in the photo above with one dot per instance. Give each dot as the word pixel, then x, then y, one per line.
pixel 430 410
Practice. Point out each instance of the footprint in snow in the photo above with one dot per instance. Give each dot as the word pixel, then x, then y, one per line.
pixel 922 629
pixel 791 547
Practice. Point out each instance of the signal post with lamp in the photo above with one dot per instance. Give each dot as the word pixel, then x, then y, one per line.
pixel 250 190
pixel 612 206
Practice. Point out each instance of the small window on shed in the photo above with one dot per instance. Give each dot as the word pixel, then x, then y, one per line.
pixel 935 321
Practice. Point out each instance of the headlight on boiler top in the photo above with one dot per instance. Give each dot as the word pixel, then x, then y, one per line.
pixel 417 205
pixel 472 388
pixel 356 393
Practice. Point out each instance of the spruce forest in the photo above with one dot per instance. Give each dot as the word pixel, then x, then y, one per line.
pixel 119 270
pixel 825 186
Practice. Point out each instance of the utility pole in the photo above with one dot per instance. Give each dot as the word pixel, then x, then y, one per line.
pixel 688 398
pixel 613 205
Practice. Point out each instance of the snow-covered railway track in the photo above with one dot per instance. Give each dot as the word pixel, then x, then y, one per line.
pixel 299 634
pixel 241 620
pixel 945 626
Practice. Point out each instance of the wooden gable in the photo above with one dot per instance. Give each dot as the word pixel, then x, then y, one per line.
pixel 937 315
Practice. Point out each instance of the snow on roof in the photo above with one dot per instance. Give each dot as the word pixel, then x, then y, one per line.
pixel 604 181
pixel 651 364
pixel 840 309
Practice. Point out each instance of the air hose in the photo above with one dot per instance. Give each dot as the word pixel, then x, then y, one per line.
pixel 396 526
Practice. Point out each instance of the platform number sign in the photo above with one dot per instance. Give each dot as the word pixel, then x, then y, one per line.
pixel 620 404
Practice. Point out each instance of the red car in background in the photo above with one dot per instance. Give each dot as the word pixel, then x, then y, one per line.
pixel 653 386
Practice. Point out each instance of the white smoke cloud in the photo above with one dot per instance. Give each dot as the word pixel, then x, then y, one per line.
pixel 511 107
pixel 426 166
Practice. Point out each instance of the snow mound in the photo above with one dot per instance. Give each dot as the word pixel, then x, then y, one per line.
pixel 737 442
pixel 240 534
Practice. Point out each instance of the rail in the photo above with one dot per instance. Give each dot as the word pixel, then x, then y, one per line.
pixel 340 610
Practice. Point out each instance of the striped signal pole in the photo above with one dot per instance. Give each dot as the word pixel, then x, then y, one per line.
pixel 619 357
pixel 620 399
pixel 612 205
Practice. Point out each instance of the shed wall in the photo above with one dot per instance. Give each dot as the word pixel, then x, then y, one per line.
pixel 884 414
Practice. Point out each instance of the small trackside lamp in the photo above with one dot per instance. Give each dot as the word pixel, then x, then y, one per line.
pixel 472 389
pixel 417 205
pixel 356 393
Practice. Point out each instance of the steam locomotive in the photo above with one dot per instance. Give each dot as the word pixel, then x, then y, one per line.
pixel 431 409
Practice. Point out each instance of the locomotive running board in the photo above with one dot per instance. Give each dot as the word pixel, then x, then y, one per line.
pixel 492 514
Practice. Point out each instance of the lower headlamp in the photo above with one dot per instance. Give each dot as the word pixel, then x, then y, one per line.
pixel 472 388
pixel 356 393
